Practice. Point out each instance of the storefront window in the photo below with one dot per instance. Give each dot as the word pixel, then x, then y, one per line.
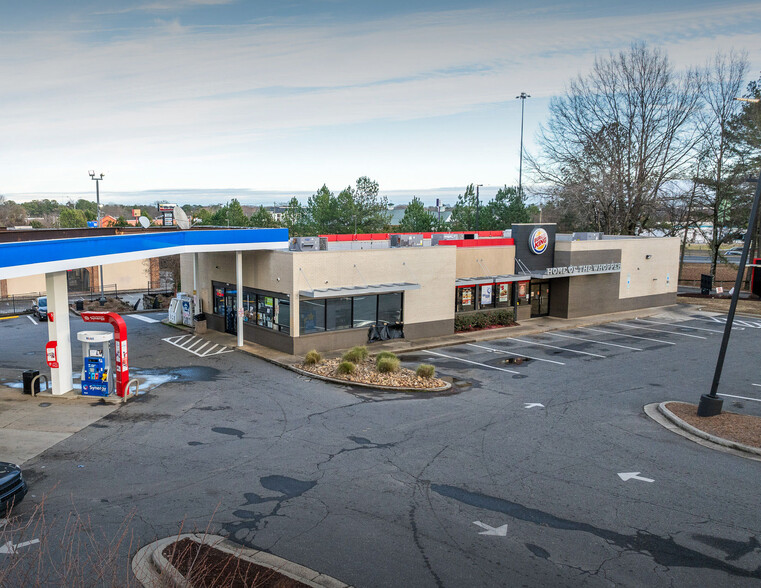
pixel 338 315
pixel 485 295
pixel 249 307
pixel 283 315
pixel 266 311
pixel 312 316
pixel 219 300
pixel 390 308
pixel 465 299
pixel 503 295
pixel 522 296
pixel 365 309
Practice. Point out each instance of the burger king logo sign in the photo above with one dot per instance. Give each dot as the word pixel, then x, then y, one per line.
pixel 538 241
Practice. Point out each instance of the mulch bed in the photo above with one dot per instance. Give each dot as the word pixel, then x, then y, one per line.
pixel 719 303
pixel 206 567
pixel 726 273
pixel 366 374
pixel 740 428
pixel 473 329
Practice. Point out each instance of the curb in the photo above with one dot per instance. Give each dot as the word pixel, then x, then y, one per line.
pixel 702 434
pixel 153 570
pixel 362 384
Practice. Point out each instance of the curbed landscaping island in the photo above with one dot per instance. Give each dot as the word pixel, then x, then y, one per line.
pixel 383 371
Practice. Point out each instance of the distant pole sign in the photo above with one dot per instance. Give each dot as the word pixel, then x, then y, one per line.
pixel 135 212
pixel 538 241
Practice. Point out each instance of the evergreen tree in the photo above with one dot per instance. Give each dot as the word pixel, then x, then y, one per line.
pixel 71 218
pixel 262 219
pixel 416 218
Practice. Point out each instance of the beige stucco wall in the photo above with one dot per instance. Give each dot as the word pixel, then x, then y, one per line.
pixel 26 285
pixel 639 276
pixel 431 267
pixel 127 275
pixel 496 261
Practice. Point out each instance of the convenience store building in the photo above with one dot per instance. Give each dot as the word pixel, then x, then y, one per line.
pixel 354 287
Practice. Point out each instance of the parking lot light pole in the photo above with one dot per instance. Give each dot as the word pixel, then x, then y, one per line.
pixel 97 224
pixel 710 404
pixel 477 203
pixel 522 97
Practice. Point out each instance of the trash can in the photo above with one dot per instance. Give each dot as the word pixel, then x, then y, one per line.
pixel 79 305
pixel 156 303
pixel 706 283
pixel 199 321
pixel 27 377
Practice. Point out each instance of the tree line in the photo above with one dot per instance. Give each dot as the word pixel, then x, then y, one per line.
pixel 635 146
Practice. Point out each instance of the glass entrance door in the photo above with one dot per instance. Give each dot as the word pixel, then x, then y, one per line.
pixel 540 298
pixel 231 311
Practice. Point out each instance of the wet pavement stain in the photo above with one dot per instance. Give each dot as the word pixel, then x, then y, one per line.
pixel 516 360
pixel 195 443
pixel 538 551
pixel 244 530
pixel 663 550
pixel 228 431
pixel 44 404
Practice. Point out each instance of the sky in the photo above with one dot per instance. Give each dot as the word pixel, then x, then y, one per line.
pixel 209 99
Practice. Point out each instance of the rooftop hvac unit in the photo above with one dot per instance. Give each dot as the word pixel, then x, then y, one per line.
pixel 406 240
pixel 586 237
pixel 436 238
pixel 304 244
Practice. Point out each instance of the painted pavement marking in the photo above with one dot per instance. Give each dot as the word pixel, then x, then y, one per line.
pixel 658 331
pixel 473 362
pixel 500 531
pixel 633 476
pixel 619 334
pixel 517 354
pixel 554 334
pixel 740 397
pixel 143 318
pixel 31 319
pixel 555 347
pixel 186 344
pixel 677 325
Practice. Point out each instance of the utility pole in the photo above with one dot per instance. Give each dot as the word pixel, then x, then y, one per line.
pixel 102 299
pixel 477 203
pixel 522 97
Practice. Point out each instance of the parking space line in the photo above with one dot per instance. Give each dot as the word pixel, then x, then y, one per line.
pixel 625 335
pixel 555 347
pixel 31 319
pixel 658 331
pixel 740 397
pixel 759 385
pixel 518 354
pixel 679 326
pixel 715 319
pixel 473 362
pixel 592 341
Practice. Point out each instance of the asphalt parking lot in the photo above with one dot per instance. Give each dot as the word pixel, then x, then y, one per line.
pixel 511 479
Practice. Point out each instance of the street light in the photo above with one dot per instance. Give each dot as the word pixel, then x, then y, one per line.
pixel 97 224
pixel 477 203
pixel 710 404
pixel 522 97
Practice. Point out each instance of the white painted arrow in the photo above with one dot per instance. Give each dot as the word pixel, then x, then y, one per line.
pixel 633 476
pixel 500 531
pixel 9 547
pixel 533 405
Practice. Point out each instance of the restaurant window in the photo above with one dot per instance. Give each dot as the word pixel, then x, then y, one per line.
pixel 390 308
pixel 522 297
pixel 338 314
pixel 464 299
pixel 503 294
pixel 485 295
pixel 365 311
pixel 312 316
pixel 283 315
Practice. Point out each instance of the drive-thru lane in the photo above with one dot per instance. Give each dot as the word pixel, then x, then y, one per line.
pixel 548 474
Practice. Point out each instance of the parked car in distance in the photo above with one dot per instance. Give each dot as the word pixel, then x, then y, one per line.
pixel 12 486
pixel 734 251
pixel 40 308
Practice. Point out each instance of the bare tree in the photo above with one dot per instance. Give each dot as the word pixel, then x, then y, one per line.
pixel 11 213
pixel 616 137
pixel 720 196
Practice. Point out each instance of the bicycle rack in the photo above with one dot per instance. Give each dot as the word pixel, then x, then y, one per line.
pixel 37 377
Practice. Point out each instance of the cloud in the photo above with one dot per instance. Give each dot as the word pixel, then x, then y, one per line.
pixel 170 93
pixel 165 6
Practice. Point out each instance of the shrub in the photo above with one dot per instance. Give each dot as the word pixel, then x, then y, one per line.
pixel 482 319
pixel 313 357
pixel 345 368
pixel 387 365
pixel 425 370
pixel 384 354
pixel 356 354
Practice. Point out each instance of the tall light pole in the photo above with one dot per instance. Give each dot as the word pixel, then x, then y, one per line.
pixel 477 203
pixel 522 97
pixel 97 224
pixel 710 404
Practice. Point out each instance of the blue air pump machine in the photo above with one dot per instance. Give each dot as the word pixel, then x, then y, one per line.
pixel 97 378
